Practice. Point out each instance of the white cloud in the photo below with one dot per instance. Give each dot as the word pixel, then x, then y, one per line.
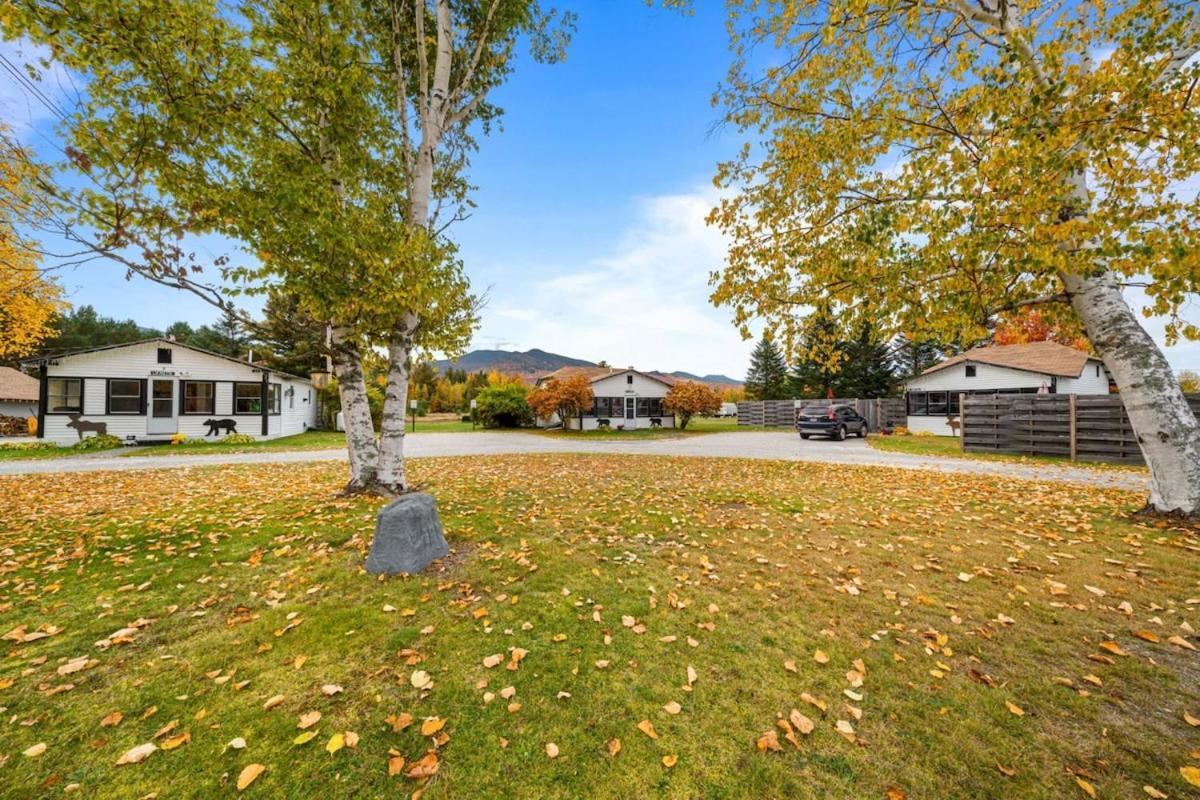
pixel 645 304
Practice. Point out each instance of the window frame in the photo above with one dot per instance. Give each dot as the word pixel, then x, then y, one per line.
pixel 915 409
pixel 183 398
pixel 49 393
pixel 257 385
pixel 650 404
pixel 165 351
pixel 141 397
pixel 274 399
pixel 970 371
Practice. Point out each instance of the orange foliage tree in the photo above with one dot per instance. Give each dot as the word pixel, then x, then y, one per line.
pixel 29 300
pixel 689 398
pixel 568 397
pixel 1031 325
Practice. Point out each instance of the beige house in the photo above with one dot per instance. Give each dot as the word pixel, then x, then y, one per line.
pixel 624 398
pixel 18 394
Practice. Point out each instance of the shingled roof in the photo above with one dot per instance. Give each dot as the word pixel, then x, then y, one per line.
pixel 17 387
pixel 1046 358
pixel 594 374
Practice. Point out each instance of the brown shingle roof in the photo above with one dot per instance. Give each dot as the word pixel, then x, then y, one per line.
pixel 17 386
pixel 1047 358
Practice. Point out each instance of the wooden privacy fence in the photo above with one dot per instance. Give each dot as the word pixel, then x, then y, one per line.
pixel 1080 427
pixel 782 413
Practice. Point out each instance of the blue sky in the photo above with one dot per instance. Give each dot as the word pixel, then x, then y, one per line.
pixel 589 234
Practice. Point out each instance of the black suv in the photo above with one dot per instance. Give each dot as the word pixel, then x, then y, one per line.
pixel 833 421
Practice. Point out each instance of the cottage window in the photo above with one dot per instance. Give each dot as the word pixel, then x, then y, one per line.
pixel 247 398
pixel 124 396
pixel 64 395
pixel 199 397
pixel 275 398
pixel 608 407
pixel 164 355
pixel 938 404
pixel 917 404
pixel 649 407
pixel 970 370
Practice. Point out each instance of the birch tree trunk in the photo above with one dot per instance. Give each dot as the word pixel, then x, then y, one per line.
pixel 356 412
pixel 390 476
pixel 1160 416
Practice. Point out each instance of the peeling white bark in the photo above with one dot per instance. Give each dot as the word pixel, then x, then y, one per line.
pixel 390 476
pixel 1165 426
pixel 356 412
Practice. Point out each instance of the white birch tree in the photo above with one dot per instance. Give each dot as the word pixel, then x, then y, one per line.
pixel 934 163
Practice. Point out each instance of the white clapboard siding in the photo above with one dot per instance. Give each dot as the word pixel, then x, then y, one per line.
pixel 140 361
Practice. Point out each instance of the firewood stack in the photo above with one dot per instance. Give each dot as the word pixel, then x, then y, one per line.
pixel 13 426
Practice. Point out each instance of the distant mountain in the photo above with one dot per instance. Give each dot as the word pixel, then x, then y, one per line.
pixel 535 363
pixel 711 378
pixel 532 362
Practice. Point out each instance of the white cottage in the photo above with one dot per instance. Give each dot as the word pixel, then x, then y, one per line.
pixel 1045 367
pixel 154 389
pixel 623 398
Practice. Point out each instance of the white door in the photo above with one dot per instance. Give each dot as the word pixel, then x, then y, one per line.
pixel 630 413
pixel 164 411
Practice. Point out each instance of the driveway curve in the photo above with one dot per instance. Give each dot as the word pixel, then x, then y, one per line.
pixel 768 445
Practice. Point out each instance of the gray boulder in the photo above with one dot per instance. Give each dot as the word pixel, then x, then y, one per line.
pixel 408 536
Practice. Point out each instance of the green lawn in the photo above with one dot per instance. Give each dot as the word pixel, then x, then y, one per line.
pixel 695 425
pixel 951 446
pixel 971 636
pixel 309 440
pixel 14 454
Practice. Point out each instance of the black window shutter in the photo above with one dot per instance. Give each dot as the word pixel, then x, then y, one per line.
pixel 107 396
pixel 145 386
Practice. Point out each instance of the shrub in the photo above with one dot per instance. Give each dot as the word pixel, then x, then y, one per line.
pixel 689 398
pixel 179 438
pixel 28 446
pixel 900 430
pixel 504 406
pixel 103 441
pixel 238 438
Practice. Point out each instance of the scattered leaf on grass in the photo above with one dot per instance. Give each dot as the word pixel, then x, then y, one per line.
pixel 249 775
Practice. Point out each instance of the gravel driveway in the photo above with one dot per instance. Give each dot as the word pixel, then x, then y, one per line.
pixel 769 445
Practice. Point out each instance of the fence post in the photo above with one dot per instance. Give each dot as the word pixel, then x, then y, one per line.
pixel 962 421
pixel 1071 419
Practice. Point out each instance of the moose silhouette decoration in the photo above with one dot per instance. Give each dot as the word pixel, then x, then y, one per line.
pixel 82 426
pixel 215 426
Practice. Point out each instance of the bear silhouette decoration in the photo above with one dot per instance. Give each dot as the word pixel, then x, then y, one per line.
pixel 215 426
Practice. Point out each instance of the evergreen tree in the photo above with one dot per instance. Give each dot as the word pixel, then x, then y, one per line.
pixel 867 369
pixel 225 337
pixel 816 369
pixel 288 339
pixel 767 378
pixel 84 328
pixel 912 357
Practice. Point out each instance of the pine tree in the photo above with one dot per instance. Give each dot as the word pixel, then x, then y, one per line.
pixel 767 378
pixel 288 338
pixel 912 357
pixel 867 369
pixel 858 367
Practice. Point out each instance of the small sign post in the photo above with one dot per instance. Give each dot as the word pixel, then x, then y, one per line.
pixel 474 403
pixel 412 404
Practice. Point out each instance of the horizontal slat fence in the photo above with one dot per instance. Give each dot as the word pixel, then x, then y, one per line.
pixel 1082 427
pixel 782 413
